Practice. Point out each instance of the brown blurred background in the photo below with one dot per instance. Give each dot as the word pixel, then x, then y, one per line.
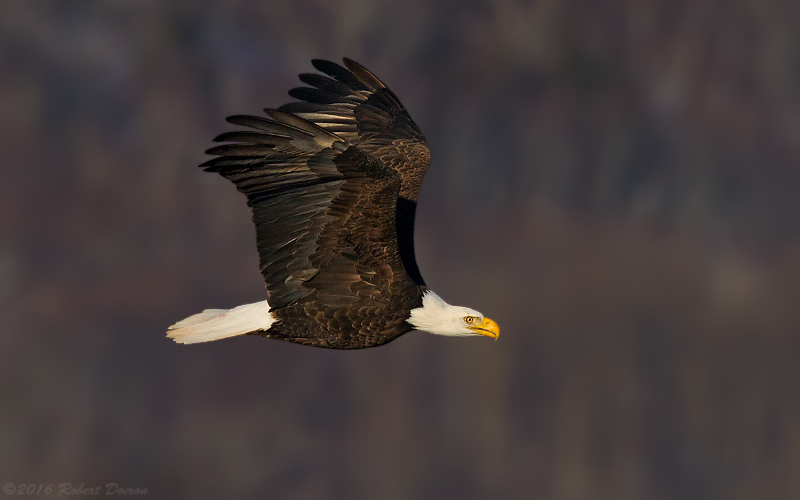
pixel 617 183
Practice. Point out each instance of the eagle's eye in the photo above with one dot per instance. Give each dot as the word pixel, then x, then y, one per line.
pixel 469 319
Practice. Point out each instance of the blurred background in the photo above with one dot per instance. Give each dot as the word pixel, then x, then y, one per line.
pixel 616 182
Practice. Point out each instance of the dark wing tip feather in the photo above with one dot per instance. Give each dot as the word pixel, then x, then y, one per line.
pixel 316 95
pixel 246 150
pixel 325 83
pixel 339 73
pixel 364 75
pixel 252 137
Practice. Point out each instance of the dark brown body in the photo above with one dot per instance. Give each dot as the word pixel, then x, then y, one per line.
pixel 356 327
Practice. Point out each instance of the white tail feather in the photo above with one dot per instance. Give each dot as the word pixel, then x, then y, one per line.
pixel 215 324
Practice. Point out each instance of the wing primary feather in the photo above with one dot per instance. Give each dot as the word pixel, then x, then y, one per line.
pixel 240 150
pixel 231 162
pixel 339 73
pixel 321 136
pixel 327 84
pixel 344 110
pixel 364 75
pixel 252 137
pixel 266 125
pixel 315 95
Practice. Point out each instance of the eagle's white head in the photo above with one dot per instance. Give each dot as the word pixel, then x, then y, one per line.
pixel 438 317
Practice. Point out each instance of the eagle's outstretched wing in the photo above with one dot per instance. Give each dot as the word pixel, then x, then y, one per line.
pixel 354 104
pixel 324 211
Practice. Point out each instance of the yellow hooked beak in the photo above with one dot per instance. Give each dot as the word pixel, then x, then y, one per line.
pixel 488 328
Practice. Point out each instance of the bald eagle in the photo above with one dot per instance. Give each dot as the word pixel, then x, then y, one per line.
pixel 333 182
